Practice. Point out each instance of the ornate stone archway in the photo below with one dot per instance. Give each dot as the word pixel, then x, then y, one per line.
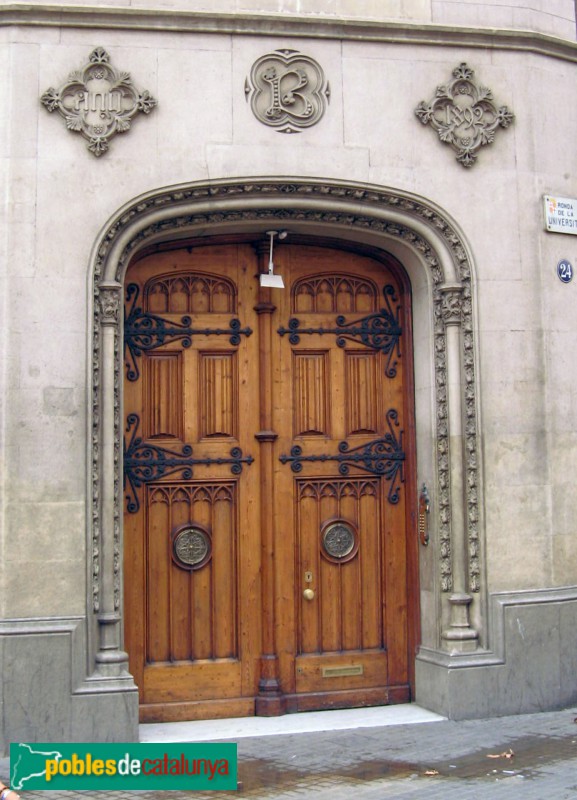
pixel 328 207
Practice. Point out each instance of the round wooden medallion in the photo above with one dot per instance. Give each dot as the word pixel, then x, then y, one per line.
pixel 339 540
pixel 191 547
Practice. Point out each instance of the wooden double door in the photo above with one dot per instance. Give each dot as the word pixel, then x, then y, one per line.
pixel 268 528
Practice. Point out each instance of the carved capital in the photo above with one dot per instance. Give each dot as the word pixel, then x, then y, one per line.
pixel 452 304
pixel 109 303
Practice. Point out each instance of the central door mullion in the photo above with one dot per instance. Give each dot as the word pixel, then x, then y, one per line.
pixel 269 701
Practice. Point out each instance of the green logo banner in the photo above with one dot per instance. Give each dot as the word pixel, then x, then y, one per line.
pixel 70 767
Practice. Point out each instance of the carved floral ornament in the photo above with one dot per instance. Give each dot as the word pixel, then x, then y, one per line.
pixel 98 101
pixel 464 115
pixel 287 90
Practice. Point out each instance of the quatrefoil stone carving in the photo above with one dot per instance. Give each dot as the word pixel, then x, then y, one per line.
pixel 287 90
pixel 464 115
pixel 98 101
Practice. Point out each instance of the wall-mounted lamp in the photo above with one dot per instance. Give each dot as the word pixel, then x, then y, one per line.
pixel 269 278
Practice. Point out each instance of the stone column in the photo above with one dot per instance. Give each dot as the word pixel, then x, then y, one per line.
pixel 460 637
pixel 111 661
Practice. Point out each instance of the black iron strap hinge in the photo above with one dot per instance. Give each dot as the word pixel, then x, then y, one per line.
pixel 380 331
pixel 144 331
pixel 145 462
pixel 384 457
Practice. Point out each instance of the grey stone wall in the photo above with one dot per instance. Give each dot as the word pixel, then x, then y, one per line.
pixel 531 667
pixel 45 694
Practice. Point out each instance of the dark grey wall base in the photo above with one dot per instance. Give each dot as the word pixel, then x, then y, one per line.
pixel 45 695
pixel 532 666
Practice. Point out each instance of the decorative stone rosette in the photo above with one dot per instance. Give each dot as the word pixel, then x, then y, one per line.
pixel 98 101
pixel 464 115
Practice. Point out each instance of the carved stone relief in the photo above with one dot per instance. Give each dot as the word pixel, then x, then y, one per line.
pixel 464 115
pixel 98 101
pixel 452 307
pixel 287 91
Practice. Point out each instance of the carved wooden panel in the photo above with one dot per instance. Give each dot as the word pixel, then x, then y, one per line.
pixel 191 614
pixel 190 293
pixel 348 610
pixel 311 393
pixel 164 393
pixel 218 399
pixel 361 395
pixel 250 525
pixel 334 293
pixel 191 533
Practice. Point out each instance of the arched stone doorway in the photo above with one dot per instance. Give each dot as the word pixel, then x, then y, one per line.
pixel 437 261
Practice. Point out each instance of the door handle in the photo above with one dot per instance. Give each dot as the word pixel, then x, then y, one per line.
pixel 309 594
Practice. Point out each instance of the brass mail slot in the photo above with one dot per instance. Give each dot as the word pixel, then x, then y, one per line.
pixel 342 672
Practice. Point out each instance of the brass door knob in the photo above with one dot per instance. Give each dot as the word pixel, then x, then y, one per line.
pixel 308 594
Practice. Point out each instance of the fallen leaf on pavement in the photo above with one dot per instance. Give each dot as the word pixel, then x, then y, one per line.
pixel 507 754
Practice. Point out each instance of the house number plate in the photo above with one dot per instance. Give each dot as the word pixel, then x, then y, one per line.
pixel 565 271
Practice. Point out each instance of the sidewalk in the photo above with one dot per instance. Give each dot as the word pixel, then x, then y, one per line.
pixel 533 757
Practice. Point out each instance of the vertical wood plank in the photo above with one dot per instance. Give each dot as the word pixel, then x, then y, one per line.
pixel 218 402
pixel 372 565
pixel 351 586
pixel 162 374
pixel 360 394
pixel 307 525
pixel 157 579
pixel 224 556
pixel 201 580
pixel 330 579
pixel 311 394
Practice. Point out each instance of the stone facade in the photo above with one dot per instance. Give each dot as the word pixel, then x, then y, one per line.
pixel 494 327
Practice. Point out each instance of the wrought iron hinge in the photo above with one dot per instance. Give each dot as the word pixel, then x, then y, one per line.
pixel 379 331
pixel 384 457
pixel 144 331
pixel 145 462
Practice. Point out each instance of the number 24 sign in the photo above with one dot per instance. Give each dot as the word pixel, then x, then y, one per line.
pixel 565 270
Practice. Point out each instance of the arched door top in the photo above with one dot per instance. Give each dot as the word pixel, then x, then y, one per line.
pixel 390 219
pixel 241 205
